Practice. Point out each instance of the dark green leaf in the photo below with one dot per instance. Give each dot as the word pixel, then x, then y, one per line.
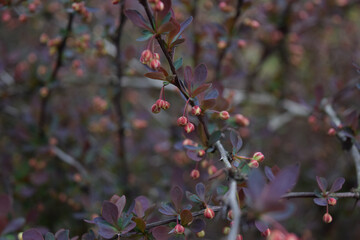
pixel 214 137
pixel 178 63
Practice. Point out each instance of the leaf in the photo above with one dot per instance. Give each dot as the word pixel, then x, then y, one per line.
pixel 186 217
pixel 62 234
pixel 200 190
pixel 49 236
pixel 193 197
pixel 141 205
pixel 162 14
pixel 129 227
pixel 140 224
pixel 160 233
pixel 212 94
pixel 124 221
pixel 176 194
pixel 261 226
pixel 166 27
pixel 269 173
pixel 5 205
pixel 137 19
pixel 146 35
pixel 193 155
pixel 200 74
pixel 188 76
pixel 178 63
pixel 236 141
pixel 167 210
pixel 87 236
pixel 255 185
pixel 14 225
pixel 105 229
pixel 214 137
pixel 320 201
pixel 110 212
pixel 156 75
pixel 322 183
pixel 197 225
pixel 200 89
pixel 32 234
pixel 119 202
pixel 183 26
pixel 208 103
pixel 337 185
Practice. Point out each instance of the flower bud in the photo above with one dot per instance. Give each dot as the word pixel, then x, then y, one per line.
pixel 159 6
pixel 160 103
pixel 327 218
pixel 179 229
pixel 44 92
pixel 241 43
pixel 44 38
pixel 195 174
pixel 276 234
pixel 156 56
pixel 200 234
pixel 212 169
pixel 239 237
pixel 230 215
pixel 182 121
pixel 155 64
pixel 241 120
pixel 189 127
pixel 22 18
pixel 332 201
pixel 209 213
pixel 224 115
pixel 155 108
pixel 226 230
pixel 331 132
pixel 221 44
pixel 201 153
pixel 166 105
pixel 146 56
pixel 253 164
pixel 266 233
pixel 258 156
pixel 115 1
pixel 196 110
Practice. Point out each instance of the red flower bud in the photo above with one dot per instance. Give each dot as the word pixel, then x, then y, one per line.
pixel 253 164
pixel 182 121
pixel 258 156
pixel 166 105
pixel 332 201
pixel 195 174
pixel 327 218
pixel 212 169
pixel 146 56
pixel 209 213
pixel 159 6
pixel 201 153
pixel 266 233
pixel 155 108
pixel 160 103
pixel 156 56
pixel 331 132
pixel 155 64
pixel 196 110
pixel 239 237
pixel 200 234
pixel 115 1
pixel 189 127
pixel 241 120
pixel 179 229
pixel 224 115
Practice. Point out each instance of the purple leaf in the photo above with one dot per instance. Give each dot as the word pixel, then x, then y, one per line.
pixel 200 190
pixel 119 202
pixel 255 183
pixel 320 201
pixel 176 194
pixel 322 183
pixel 105 229
pixel 197 225
pixel 141 205
pixel 13 225
pixel 193 155
pixel 110 212
pixel 5 205
pixel 269 173
pixel 261 226
pixel 160 233
pixel 236 141
pixel 62 234
pixel 201 89
pixel 32 234
pixel 200 74
pixel 188 76
pixel 193 197
pixel 213 94
pixel 167 210
pixel 337 185
pixel 183 25
pixel 129 227
pixel 137 19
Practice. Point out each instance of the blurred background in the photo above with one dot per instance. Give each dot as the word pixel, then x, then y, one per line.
pixel 275 65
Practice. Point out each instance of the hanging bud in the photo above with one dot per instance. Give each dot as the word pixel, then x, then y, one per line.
pixel 146 56
pixel 253 164
pixel 327 218
pixel 166 105
pixel 179 229
pixel 212 169
pixel 241 120
pixel 159 6
pixel 160 103
pixel 200 234
pixel 201 153
pixel 155 108
pixel 266 232
pixel 209 213
pixel 155 64
pixel 226 230
pixel 224 115
pixel 332 201
pixel 258 156
pixel 189 128
pixel 195 174
pixel 196 110
pixel 182 121
pixel 331 132
pixel 156 56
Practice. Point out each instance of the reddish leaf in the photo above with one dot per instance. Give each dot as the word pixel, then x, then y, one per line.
pixel 160 233
pixel 174 32
pixel 193 155
pixel 269 173
pixel 197 225
pixel 32 234
pixel 110 212
pixel 183 25
pixel 320 201
pixel 188 76
pixel 155 75
pixel 119 202
pixel 208 103
pixel 221 104
pixel 137 19
pixel 166 27
pixel 176 194
pixel 140 224
pixel 200 74
pixel 322 183
pixel 105 229
pixel 186 217
pixel 201 89
pixel 261 226
pixel 141 205
pixel 337 185
pixel 13 226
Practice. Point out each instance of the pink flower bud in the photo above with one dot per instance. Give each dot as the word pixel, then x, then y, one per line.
pixel 195 174
pixel 179 229
pixel 200 234
pixel 155 108
pixel 115 1
pixel 331 132
pixel 241 43
pixel 258 156
pixel 241 120
pixel 327 218
pixel 209 213
pixel 189 127
pixel 201 153
pixel 166 105
pixel 224 115
pixel 253 164
pixel 146 55
pixel 156 56
pixel 155 64
pixel 230 215
pixel 196 110
pixel 332 201
pixel 266 233
pixel 212 170
pixel 160 103
pixel 182 121
pixel 159 6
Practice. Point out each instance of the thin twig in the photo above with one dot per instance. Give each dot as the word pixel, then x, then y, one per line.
pixel 355 195
pixel 69 160
pixel 232 200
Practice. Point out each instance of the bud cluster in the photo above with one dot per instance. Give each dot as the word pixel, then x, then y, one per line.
pixel 151 59
pixel 157 5
pixel 80 8
pixel 257 158
pixel 184 122
pixel 160 104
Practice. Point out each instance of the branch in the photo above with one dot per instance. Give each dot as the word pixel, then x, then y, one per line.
pixel 355 195
pixel 69 160
pixel 232 200
pixel 59 62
